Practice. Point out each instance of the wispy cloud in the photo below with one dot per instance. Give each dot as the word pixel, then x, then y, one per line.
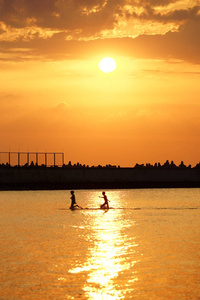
pixel 57 29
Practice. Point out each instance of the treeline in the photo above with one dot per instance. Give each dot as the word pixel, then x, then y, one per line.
pixel 166 165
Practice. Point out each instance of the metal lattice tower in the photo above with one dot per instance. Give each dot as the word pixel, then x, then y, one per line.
pixel 37 156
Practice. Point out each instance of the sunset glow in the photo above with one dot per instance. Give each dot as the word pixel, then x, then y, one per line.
pixel 54 97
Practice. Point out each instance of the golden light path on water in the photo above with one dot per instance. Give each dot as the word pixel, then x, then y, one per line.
pixel 148 248
pixel 111 255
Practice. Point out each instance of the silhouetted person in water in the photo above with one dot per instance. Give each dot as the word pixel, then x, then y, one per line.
pixel 73 201
pixel 105 204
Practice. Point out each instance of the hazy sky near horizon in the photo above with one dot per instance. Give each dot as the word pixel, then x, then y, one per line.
pixel 53 97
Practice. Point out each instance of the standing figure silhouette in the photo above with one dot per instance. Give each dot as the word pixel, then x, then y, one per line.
pixel 105 204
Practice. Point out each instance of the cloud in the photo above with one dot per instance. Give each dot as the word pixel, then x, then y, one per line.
pixel 60 29
pixel 183 44
pixel 89 16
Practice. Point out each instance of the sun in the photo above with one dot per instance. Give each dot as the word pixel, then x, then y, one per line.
pixel 107 65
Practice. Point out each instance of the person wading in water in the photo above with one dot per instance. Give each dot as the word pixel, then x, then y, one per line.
pixel 105 204
pixel 73 201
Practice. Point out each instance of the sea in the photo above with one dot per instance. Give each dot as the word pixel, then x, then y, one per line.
pixel 147 246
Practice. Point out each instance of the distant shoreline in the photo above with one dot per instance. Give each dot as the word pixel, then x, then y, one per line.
pixel 88 186
pixel 79 177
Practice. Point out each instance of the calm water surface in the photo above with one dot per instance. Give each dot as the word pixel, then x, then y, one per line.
pixel 146 248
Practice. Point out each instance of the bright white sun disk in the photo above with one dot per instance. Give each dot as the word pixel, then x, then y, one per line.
pixel 107 65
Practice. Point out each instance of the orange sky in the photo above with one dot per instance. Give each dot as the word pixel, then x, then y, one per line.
pixel 53 97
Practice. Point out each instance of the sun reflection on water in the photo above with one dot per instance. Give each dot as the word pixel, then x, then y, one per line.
pixel 111 255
